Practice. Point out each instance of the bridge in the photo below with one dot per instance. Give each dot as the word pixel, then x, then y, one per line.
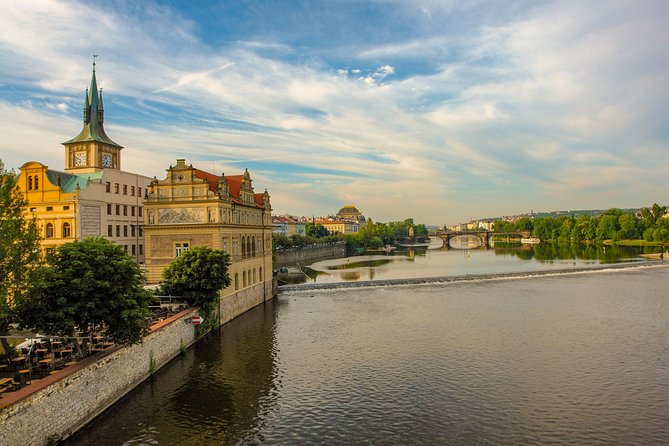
pixel 484 235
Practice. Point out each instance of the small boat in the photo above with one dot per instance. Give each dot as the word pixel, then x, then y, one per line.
pixel 530 240
pixel 389 248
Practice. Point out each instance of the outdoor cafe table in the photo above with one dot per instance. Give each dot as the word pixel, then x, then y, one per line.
pixel 5 381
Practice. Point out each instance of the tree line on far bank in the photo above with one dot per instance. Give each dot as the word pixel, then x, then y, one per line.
pixel 372 235
pixel 614 224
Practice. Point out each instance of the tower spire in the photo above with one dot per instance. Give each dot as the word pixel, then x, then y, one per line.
pixel 93 115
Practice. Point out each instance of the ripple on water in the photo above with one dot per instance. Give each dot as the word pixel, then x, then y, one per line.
pixel 552 360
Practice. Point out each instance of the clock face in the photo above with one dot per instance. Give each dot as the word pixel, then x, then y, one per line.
pixel 106 160
pixel 80 159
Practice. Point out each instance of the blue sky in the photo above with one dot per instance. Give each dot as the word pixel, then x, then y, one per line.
pixel 438 110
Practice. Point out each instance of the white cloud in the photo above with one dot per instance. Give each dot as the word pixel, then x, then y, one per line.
pixel 562 101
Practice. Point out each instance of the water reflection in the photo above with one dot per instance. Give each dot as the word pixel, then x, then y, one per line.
pixel 547 252
pixel 442 261
pixel 218 392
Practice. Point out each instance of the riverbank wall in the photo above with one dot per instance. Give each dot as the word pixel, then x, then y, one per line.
pixel 313 253
pixel 57 406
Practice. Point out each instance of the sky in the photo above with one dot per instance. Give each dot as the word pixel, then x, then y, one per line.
pixel 443 111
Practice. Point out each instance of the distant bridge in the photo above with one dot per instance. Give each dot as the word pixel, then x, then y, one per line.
pixel 485 236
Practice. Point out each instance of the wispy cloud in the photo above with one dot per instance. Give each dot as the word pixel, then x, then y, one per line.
pixel 555 105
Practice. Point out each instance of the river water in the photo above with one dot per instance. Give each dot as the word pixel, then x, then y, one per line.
pixel 580 358
pixel 435 262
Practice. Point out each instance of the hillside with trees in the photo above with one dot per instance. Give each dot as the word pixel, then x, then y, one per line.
pixel 649 224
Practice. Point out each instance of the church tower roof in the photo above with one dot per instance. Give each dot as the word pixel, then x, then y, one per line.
pixel 93 117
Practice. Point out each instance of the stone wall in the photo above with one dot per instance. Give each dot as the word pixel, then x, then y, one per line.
pixel 310 253
pixel 63 403
pixel 55 407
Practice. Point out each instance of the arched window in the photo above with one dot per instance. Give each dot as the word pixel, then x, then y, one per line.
pixel 244 279
pixel 260 273
pixel 254 275
pixel 236 281
pixel 66 230
pixel 36 182
pixel 243 246
pixel 253 247
pixel 248 245
pixel 30 182
pixel 49 230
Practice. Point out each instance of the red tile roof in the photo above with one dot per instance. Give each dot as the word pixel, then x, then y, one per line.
pixel 213 179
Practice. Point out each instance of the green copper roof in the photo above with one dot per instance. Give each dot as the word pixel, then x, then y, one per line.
pixel 68 182
pixel 93 117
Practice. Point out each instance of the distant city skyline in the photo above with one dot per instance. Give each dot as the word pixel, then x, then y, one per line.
pixel 442 111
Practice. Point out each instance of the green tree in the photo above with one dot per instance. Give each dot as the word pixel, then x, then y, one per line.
pixel 375 242
pixel 19 251
pixel 316 230
pixel 87 286
pixel 280 241
pixel 198 275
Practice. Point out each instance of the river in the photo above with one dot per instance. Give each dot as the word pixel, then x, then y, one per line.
pixel 436 262
pixel 575 358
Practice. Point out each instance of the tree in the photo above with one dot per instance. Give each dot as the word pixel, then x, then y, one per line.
pixel 316 230
pixel 88 285
pixel 19 251
pixel 197 275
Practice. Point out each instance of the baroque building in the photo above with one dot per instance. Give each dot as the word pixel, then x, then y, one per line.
pixel 92 196
pixel 191 207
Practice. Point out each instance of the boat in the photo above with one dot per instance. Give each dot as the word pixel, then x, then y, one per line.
pixel 389 248
pixel 530 240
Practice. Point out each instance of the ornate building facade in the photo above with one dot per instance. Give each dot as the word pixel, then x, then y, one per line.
pixel 92 196
pixel 191 207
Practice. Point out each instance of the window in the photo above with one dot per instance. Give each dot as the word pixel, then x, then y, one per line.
pixel 109 209
pixel 66 230
pixel 236 281
pixel 139 191
pixel 125 189
pixel 125 230
pixel 49 208
pixel 118 230
pixel 33 209
pixel 118 209
pixel 66 208
pixel 116 188
pixel 132 190
pixel 134 248
pixel 107 186
pixel 225 245
pixel 141 250
pixel 110 231
pixel 36 182
pixel 30 182
pixel 140 211
pixel 140 232
pixel 125 210
pixel 180 248
pixel 125 248
pixel 49 230
pixel 132 230
pixel 132 211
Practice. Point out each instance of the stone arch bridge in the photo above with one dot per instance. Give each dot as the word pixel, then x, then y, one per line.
pixel 485 236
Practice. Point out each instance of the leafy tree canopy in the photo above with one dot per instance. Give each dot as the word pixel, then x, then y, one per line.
pixel 19 250
pixel 89 285
pixel 197 275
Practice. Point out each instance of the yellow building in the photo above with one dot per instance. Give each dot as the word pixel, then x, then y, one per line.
pixel 191 207
pixel 93 196
pixel 338 226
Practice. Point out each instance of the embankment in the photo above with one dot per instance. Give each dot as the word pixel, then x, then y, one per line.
pixel 313 253
pixel 53 408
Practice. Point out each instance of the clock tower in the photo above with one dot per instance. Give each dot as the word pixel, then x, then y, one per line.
pixel 92 150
